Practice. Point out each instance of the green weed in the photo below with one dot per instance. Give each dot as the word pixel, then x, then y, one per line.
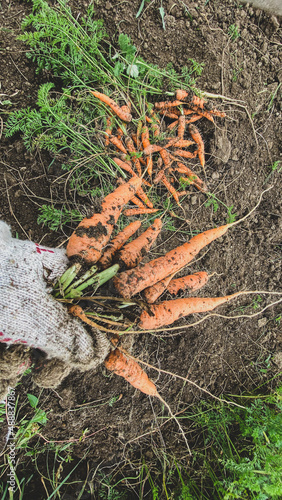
pixel 215 202
pixel 233 32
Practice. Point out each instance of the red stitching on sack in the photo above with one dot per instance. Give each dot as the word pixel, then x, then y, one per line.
pixel 40 249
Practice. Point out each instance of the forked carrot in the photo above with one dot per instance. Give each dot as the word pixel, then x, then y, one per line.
pixel 129 212
pixel 190 282
pixel 132 253
pixel 131 371
pixel 117 242
pixel 129 283
pixel 121 113
pixel 169 311
pixel 196 136
pixel 93 233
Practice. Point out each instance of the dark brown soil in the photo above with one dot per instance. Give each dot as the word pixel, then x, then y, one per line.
pixel 220 355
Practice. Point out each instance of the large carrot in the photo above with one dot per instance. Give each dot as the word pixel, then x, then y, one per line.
pixel 121 113
pixel 93 233
pixel 169 311
pixel 132 253
pixel 118 242
pixel 131 371
pixel 129 283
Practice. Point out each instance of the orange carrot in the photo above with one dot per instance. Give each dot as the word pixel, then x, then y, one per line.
pixel 196 136
pixel 129 369
pixel 125 165
pixel 192 177
pixel 93 233
pixel 204 113
pixel 217 113
pixel 108 130
pixel 117 242
pixel 152 293
pixel 194 118
pixel 137 202
pixel 181 94
pixel 132 253
pixel 168 104
pixel 198 102
pixel 129 283
pixel 185 154
pixel 129 212
pixel 170 188
pixel 145 143
pixel 123 115
pixel 169 311
pixel 182 143
pixel 189 282
pixel 130 146
pixel 152 148
pixel 169 114
pixel 172 125
pixel 181 126
pixel 118 143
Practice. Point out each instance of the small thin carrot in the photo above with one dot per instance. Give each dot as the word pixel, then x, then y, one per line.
pixel 151 149
pixel 108 130
pixel 145 143
pixel 131 371
pixel 125 165
pixel 172 125
pixel 215 112
pixel 185 154
pixel 181 127
pixel 198 101
pixel 168 104
pixel 192 177
pixel 204 113
pixel 196 136
pixel 193 119
pixel 181 94
pixel 169 114
pixel 129 283
pixel 117 242
pixel 132 253
pixel 123 115
pixel 130 147
pixel 119 133
pixel 183 143
pixel 169 311
pixel 93 233
pixel 136 201
pixel 170 188
pixel 117 143
pixel 190 282
pixel 140 211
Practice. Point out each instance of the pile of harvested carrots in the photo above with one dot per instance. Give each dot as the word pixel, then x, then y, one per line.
pixel 158 147
pixel 91 243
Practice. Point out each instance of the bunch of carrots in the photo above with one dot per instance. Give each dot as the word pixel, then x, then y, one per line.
pixel 121 260
pixel 160 146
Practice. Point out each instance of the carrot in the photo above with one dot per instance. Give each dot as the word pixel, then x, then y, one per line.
pixel 93 233
pixel 194 118
pixel 167 114
pixel 172 125
pixel 140 192
pixel 192 177
pixel 218 113
pixel 137 202
pixel 170 188
pixel 185 154
pixel 108 130
pixel 182 143
pixel 118 242
pixel 119 133
pixel 132 253
pixel 125 165
pixel 129 283
pixel 118 143
pixel 131 371
pixel 130 146
pixel 196 136
pixel 121 113
pixel 181 94
pixel 181 126
pixel 168 104
pixel 152 293
pixel 189 282
pixel 198 102
pixel 169 311
pixel 145 143
pixel 152 148
pixel 204 113
pixel 129 212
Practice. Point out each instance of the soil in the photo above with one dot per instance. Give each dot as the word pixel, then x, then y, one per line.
pixel 221 355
